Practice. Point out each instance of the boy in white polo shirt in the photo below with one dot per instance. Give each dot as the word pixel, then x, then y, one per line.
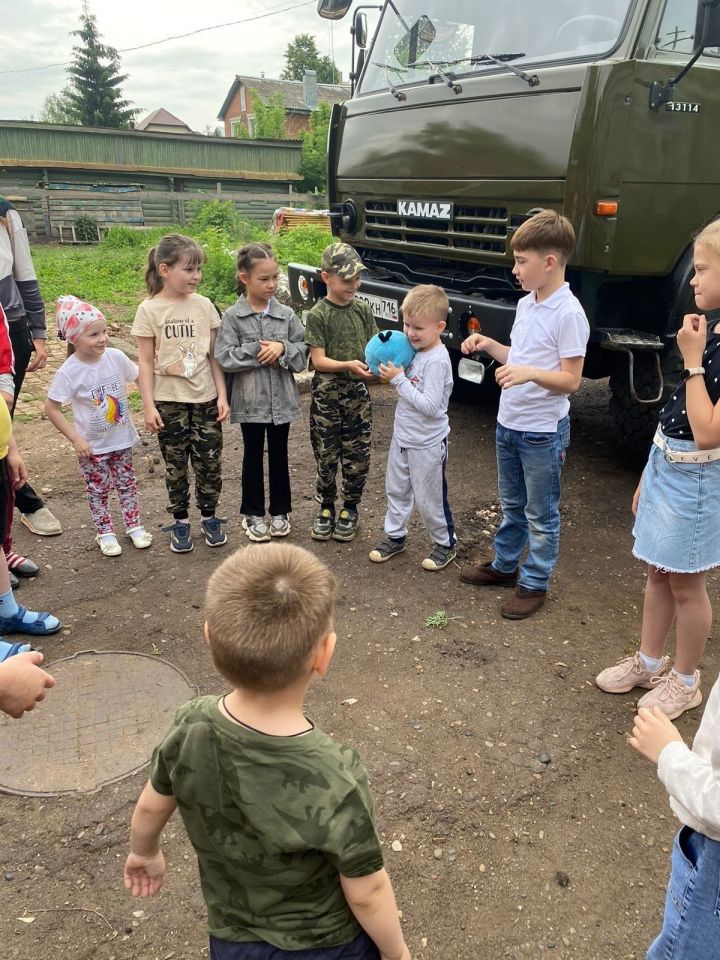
pixel 540 368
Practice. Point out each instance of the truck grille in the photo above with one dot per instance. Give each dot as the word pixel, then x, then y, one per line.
pixel 472 228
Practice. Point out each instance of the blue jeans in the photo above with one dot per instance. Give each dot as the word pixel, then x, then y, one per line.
pixel 691 925
pixel 529 466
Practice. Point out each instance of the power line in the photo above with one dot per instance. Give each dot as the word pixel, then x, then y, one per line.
pixel 179 36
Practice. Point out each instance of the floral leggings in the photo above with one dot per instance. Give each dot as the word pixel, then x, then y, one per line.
pixel 101 473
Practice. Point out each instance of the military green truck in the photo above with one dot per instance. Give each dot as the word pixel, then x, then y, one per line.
pixel 468 116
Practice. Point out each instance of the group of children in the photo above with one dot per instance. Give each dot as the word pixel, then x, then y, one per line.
pixel 303 875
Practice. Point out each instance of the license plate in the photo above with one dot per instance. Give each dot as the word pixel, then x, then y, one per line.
pixel 384 308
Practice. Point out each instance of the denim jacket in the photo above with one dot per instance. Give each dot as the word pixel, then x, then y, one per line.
pixel 261 394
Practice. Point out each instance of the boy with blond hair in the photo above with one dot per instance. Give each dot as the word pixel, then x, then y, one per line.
pixel 280 816
pixel 418 449
pixel 537 372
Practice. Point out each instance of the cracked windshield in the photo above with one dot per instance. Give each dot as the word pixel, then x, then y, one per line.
pixel 417 36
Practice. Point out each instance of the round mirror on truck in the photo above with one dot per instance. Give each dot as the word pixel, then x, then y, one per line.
pixel 333 9
pixel 360 30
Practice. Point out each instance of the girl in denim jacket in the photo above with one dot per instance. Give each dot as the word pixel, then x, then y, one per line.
pixel 261 344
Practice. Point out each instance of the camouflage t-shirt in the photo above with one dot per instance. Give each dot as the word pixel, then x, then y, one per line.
pixel 342 331
pixel 274 821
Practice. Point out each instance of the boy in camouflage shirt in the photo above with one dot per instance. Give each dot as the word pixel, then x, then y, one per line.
pixel 280 816
pixel 336 331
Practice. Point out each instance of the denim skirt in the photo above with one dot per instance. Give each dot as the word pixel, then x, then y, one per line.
pixel 677 528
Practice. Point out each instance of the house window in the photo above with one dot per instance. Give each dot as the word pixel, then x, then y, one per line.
pixel 235 127
pixel 243 100
pixel 251 125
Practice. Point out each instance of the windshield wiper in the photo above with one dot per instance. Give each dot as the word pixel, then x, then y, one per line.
pixel 398 94
pixel 500 59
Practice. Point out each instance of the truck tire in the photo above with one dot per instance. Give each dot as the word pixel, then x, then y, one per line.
pixel 634 424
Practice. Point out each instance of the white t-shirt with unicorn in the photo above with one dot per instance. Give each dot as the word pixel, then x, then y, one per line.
pixel 98 394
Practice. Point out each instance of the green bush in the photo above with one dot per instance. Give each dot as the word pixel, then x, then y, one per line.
pixel 86 229
pixel 301 245
pixel 219 273
pixel 218 214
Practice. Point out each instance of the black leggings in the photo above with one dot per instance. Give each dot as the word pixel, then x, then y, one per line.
pixel 253 483
pixel 26 500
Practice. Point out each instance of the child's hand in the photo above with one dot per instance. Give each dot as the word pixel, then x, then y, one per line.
pixel 16 464
pixel 23 683
pixel 474 343
pixel 389 370
pixel 153 420
pixel 510 375
pixel 82 447
pixel 223 409
pixel 270 352
pixel 691 339
pixel 652 733
pixel 144 875
pixel 360 369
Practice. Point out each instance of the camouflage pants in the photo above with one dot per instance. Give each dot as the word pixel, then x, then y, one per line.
pixel 340 433
pixel 191 431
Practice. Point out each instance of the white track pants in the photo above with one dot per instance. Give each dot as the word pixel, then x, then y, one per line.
pixel 416 477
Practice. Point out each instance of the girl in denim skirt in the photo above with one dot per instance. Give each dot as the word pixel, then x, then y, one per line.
pixel 677 532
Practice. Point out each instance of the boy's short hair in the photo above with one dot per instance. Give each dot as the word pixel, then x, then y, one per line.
pixel 426 300
pixel 342 259
pixel 266 608
pixel 545 231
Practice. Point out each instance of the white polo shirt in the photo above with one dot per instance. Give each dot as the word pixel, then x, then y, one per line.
pixel 543 334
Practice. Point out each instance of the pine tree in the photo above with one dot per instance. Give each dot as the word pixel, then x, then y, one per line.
pixel 93 94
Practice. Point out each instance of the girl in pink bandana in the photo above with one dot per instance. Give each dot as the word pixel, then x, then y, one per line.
pixel 93 380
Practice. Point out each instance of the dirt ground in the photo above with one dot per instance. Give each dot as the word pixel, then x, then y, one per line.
pixel 526 826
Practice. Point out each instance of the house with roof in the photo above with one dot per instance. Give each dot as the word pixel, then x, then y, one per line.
pixel 301 97
pixel 162 121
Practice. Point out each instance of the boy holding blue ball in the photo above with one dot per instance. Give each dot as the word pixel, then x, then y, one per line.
pixel 337 330
pixel 418 450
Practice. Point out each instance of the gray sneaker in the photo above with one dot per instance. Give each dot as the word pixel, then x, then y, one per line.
pixel 440 557
pixel 387 549
pixel 257 529
pixel 279 525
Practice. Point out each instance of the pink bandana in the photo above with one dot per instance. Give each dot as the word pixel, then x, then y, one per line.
pixel 74 316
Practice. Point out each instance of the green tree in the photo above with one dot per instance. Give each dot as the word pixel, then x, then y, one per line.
pixel 302 54
pixel 269 117
pixel 94 95
pixel 313 158
pixel 56 109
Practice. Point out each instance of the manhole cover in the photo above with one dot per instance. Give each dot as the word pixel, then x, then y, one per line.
pixel 99 723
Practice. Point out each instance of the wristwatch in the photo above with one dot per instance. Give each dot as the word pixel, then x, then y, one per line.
pixel 691 372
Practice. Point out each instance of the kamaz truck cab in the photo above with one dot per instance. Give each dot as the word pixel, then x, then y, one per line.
pixel 469 116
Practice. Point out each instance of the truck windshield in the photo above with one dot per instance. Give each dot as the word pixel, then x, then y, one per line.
pixel 414 36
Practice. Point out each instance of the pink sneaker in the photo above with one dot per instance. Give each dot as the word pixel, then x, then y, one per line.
pixel 628 673
pixel 672 695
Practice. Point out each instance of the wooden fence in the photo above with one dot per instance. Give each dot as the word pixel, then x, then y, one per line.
pixel 50 214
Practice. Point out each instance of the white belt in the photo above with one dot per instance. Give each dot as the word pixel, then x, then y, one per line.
pixel 686 456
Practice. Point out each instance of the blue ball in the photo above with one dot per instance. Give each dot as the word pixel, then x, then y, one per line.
pixel 388 346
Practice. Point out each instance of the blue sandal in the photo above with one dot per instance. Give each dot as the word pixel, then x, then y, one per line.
pixel 37 627
pixel 8 650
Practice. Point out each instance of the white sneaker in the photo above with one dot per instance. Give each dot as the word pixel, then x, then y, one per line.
pixel 257 529
pixel 279 525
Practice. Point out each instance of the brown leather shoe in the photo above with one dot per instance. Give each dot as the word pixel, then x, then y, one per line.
pixel 485 576
pixel 523 603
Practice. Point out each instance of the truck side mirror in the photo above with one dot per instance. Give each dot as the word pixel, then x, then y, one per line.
pixel 417 39
pixel 360 30
pixel 333 9
pixel 707 25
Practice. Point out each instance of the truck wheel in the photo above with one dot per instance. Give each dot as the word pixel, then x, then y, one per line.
pixel 634 424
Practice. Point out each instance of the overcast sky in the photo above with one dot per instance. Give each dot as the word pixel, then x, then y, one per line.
pixel 190 77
